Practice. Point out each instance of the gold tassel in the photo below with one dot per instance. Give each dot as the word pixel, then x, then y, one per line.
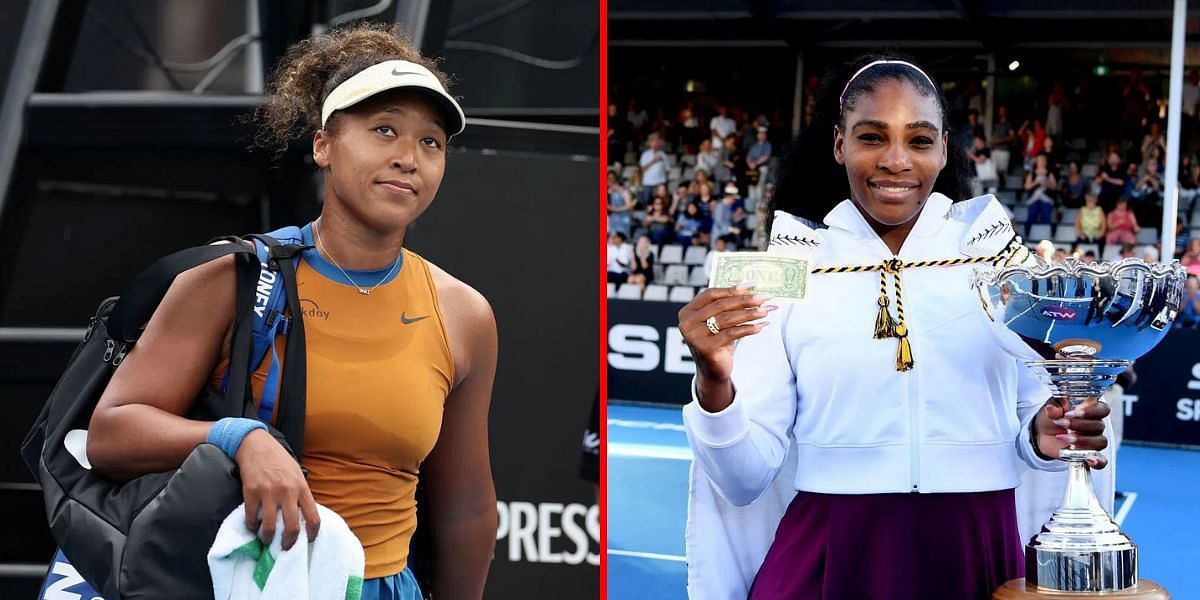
pixel 885 325
pixel 904 360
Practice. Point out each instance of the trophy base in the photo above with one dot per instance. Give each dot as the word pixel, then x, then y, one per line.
pixel 1052 564
pixel 1019 589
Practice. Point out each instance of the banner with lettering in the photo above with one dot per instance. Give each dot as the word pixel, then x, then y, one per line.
pixel 649 362
pixel 1163 406
pixel 647 358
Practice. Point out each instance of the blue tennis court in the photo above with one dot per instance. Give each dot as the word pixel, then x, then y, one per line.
pixel 648 461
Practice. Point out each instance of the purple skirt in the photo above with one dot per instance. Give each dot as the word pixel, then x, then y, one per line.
pixel 893 546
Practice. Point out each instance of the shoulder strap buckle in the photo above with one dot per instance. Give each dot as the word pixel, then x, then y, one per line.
pixel 283 252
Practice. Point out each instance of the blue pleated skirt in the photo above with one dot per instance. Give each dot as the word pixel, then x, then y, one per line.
pixel 401 586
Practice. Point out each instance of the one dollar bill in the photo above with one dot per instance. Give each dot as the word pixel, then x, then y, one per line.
pixel 784 277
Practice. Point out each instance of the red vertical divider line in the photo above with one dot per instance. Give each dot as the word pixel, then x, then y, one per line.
pixel 603 313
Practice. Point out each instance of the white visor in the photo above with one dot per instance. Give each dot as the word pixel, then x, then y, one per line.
pixel 390 75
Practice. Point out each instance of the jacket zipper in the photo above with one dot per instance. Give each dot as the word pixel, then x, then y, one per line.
pixel 915 422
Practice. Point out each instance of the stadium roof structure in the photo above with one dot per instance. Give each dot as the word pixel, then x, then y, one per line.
pixel 1133 31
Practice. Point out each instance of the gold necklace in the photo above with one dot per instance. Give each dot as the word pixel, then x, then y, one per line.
pixel 361 289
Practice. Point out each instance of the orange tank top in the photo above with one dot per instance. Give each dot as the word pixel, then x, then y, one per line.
pixel 379 371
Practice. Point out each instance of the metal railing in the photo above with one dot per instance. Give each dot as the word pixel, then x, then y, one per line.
pixel 42 334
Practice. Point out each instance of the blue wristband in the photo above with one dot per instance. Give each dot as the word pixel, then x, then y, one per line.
pixel 228 433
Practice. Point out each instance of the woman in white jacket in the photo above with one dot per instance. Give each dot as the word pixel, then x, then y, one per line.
pixel 906 408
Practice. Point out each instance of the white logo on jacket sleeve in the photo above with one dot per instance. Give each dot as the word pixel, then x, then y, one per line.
pixel 989 226
pixel 792 235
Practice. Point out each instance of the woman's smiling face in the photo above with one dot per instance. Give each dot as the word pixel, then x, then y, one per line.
pixel 893 146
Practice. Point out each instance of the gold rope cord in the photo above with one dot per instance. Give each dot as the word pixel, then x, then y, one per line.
pixel 949 262
pixel 885 325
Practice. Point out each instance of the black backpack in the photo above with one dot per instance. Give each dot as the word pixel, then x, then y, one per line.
pixel 149 537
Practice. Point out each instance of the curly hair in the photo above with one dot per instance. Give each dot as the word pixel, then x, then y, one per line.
pixel 810 182
pixel 313 67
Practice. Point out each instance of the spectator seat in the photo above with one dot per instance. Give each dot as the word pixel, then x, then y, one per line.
pixel 675 275
pixel 1039 232
pixel 655 292
pixel 695 255
pixel 629 291
pixel 682 293
pixel 1148 235
pixel 1065 233
pixel 1020 213
pixel 671 254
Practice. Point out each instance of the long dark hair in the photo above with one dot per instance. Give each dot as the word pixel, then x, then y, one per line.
pixel 810 182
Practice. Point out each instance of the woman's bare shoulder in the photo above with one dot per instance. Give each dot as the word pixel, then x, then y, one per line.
pixel 470 324
pixel 459 299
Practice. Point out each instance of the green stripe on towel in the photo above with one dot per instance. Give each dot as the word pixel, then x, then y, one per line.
pixel 260 553
pixel 354 588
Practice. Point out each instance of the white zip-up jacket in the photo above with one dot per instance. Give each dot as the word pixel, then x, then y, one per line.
pixel 816 383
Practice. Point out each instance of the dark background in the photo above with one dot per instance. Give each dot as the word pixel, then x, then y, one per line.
pixel 1168 385
pixel 104 183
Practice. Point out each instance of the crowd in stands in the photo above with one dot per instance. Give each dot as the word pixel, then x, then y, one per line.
pixel 675 183
pixel 1074 183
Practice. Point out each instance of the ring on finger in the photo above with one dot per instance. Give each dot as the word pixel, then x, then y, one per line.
pixel 711 323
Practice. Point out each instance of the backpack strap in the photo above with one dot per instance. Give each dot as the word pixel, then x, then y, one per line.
pixel 239 396
pixel 141 297
pixel 146 291
pixel 270 318
pixel 277 312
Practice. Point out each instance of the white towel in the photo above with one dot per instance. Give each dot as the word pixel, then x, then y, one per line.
pixel 328 568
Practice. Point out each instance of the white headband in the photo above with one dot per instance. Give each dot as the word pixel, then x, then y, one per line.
pixel 842 98
pixel 391 75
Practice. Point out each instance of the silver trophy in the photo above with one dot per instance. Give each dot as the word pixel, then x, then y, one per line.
pixel 1089 322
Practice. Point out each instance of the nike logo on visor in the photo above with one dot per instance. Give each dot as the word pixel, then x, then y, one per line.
pixel 397 71
pixel 407 321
